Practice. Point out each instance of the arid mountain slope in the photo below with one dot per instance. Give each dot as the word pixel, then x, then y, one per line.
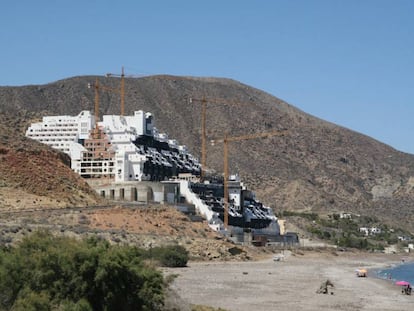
pixel 317 166
pixel 33 175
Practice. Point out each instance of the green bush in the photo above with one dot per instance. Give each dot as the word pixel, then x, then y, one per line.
pixel 352 241
pixel 48 273
pixel 309 216
pixel 170 256
pixel 81 305
pixel 28 300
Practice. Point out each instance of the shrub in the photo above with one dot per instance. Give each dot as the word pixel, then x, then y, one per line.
pixel 170 256
pixel 175 257
pixel 354 242
pixel 71 275
pixel 28 300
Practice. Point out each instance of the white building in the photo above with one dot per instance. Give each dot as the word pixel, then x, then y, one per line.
pixel 122 132
pixel 375 230
pixel 343 215
pixel 121 148
pixel 364 230
pixel 63 132
pixel 370 231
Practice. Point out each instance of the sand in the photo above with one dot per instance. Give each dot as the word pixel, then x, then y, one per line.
pixel 291 284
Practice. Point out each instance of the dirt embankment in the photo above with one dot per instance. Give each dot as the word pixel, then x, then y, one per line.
pixel 148 226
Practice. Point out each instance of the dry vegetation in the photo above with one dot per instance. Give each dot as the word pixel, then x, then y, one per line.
pixel 144 226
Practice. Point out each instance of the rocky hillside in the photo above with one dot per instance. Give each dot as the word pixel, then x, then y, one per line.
pixel 145 227
pixel 33 175
pixel 317 166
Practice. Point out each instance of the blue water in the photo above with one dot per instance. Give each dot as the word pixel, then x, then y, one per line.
pixel 401 272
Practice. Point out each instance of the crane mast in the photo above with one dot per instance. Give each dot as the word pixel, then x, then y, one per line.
pixel 226 140
pixel 98 87
pixel 203 138
pixel 204 102
pixel 95 132
pixel 121 90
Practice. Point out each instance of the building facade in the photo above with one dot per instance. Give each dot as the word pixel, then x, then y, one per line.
pixel 119 148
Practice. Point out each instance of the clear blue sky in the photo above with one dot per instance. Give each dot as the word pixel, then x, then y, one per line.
pixel 349 62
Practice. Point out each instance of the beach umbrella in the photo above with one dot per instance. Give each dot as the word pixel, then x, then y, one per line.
pixel 361 272
pixel 402 283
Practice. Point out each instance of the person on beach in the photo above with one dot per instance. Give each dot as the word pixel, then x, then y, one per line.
pixel 406 289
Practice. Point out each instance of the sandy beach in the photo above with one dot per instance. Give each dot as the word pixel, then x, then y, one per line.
pixel 291 284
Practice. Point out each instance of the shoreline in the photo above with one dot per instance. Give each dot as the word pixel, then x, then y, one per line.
pixel 291 284
pixel 383 274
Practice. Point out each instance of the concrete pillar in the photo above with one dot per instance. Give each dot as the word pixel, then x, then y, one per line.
pixel 134 194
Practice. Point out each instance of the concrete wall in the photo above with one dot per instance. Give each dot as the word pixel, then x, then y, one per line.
pixel 143 191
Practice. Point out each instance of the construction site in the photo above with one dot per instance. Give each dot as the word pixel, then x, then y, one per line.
pixel 125 158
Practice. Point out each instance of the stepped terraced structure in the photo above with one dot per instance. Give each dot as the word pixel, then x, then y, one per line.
pixel 245 213
pixel 128 152
pixel 119 148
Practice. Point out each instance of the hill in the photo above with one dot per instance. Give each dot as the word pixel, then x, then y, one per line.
pixel 318 166
pixel 34 175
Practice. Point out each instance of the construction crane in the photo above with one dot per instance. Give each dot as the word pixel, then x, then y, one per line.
pixel 122 89
pixel 226 140
pixel 98 87
pixel 204 102
pixel 203 134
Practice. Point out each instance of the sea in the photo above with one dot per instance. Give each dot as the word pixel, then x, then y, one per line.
pixel 400 272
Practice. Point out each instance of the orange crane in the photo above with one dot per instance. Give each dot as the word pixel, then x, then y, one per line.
pixel 203 133
pixel 226 140
pixel 204 102
pixel 98 87
pixel 122 89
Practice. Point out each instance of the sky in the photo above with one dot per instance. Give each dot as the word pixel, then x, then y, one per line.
pixel 349 62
